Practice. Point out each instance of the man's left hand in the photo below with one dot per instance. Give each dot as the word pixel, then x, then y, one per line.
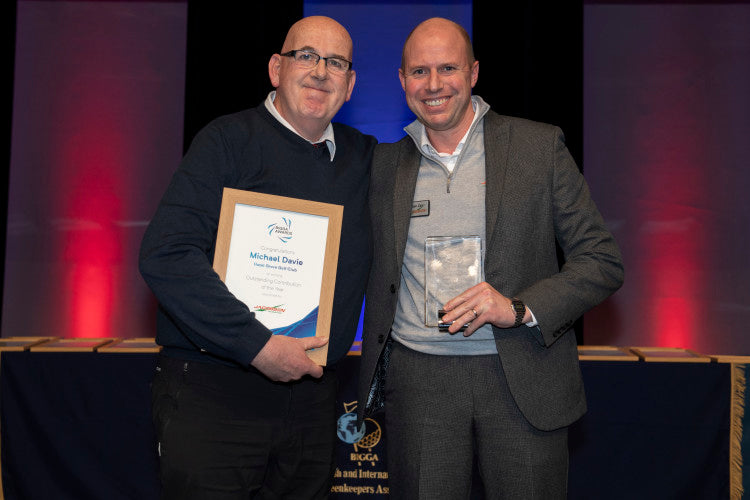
pixel 479 305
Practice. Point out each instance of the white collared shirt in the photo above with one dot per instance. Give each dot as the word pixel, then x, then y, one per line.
pixel 447 159
pixel 327 133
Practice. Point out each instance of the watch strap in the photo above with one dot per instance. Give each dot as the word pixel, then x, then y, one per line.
pixel 520 309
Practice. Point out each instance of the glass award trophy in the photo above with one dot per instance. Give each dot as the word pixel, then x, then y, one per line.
pixel 452 264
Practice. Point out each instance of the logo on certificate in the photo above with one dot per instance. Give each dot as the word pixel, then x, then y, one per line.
pixel 270 309
pixel 281 230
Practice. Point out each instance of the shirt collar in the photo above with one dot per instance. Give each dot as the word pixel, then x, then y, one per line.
pixel 418 132
pixel 327 133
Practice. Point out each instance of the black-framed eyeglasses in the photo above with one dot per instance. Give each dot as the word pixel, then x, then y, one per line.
pixel 309 59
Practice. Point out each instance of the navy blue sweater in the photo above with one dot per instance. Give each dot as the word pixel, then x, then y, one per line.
pixel 198 317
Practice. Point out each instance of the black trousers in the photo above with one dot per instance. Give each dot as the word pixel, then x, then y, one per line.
pixel 229 433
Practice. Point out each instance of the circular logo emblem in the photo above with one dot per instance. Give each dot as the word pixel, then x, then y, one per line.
pixel 346 428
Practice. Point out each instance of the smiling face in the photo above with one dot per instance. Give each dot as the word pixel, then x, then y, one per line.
pixel 437 75
pixel 308 98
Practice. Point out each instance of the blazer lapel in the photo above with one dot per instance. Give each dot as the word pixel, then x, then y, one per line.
pixel 405 182
pixel 496 146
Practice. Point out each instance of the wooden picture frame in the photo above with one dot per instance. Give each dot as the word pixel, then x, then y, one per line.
pixel 279 256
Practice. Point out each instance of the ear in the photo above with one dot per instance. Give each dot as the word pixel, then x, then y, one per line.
pixel 274 68
pixel 474 73
pixel 352 79
pixel 402 77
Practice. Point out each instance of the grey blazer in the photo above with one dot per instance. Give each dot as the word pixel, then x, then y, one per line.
pixel 535 195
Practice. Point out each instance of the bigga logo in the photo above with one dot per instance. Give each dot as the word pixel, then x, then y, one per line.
pixel 363 440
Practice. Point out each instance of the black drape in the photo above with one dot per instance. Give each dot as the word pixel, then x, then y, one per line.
pixel 228 48
pixel 531 62
pixel 8 15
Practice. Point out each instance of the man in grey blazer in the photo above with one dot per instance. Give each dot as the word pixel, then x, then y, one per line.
pixel 503 390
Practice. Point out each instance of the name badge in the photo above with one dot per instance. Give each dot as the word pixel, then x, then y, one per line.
pixel 420 208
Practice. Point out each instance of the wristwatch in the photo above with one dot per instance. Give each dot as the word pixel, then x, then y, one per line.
pixel 520 310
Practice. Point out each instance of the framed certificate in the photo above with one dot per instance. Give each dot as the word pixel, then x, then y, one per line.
pixel 278 255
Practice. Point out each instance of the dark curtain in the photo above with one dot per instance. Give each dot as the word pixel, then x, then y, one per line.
pixel 228 48
pixel 531 62
pixel 8 16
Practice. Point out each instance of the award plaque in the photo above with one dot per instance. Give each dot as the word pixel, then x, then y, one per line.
pixel 278 255
pixel 452 264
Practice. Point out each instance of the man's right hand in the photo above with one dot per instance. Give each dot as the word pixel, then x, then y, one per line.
pixel 283 359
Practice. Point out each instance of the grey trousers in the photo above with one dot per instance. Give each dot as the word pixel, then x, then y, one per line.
pixel 444 412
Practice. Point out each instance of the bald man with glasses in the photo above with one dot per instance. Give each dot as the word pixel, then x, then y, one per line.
pixel 240 412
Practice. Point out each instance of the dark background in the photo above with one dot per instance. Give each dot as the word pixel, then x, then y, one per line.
pixel 652 98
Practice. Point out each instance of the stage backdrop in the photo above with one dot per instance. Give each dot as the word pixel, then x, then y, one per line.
pixel 667 121
pixel 97 132
pixel 98 121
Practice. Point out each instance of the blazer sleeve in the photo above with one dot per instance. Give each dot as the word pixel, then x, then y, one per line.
pixel 592 268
